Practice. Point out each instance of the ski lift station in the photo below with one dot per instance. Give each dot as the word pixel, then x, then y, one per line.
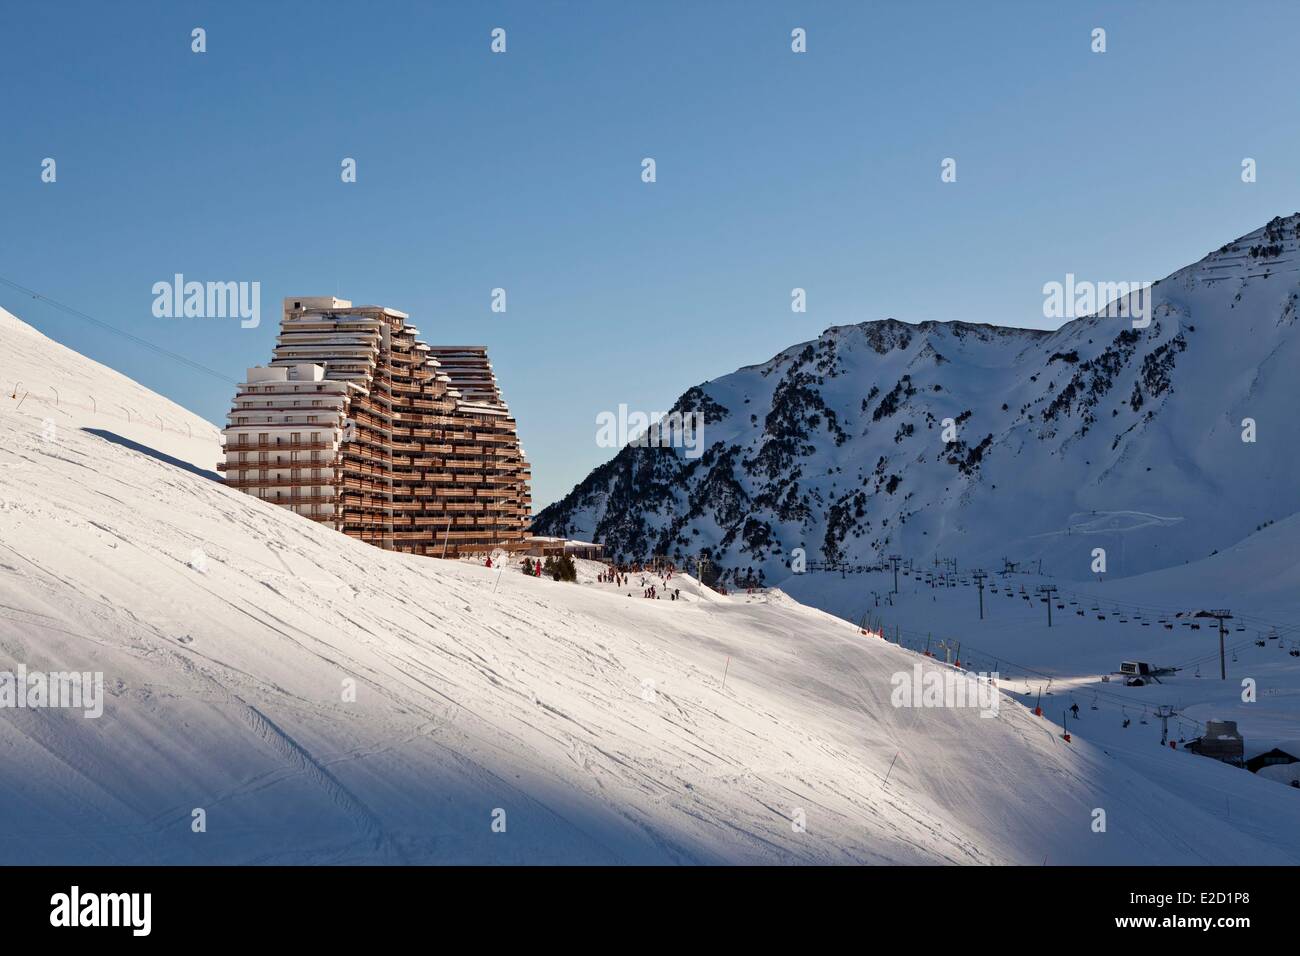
pixel 1135 669
pixel 1140 673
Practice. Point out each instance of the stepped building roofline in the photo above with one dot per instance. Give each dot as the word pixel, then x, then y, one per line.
pixel 358 425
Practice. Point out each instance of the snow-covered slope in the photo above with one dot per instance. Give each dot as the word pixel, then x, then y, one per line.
pixel 1096 435
pixel 597 726
pixel 1098 624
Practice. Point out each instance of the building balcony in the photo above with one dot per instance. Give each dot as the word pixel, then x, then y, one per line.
pixel 281 444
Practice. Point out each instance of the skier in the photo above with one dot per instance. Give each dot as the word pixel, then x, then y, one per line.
pixel 1074 710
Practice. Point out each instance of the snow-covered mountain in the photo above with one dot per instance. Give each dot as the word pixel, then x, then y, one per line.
pixel 1100 434
pixel 320 700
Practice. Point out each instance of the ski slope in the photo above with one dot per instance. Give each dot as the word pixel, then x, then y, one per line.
pixel 1098 624
pixel 595 725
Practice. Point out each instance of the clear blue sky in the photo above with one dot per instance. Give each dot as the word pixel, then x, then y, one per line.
pixel 522 171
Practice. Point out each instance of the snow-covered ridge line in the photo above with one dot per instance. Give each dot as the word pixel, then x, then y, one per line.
pixel 979 442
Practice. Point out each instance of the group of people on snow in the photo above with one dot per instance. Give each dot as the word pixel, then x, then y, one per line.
pixel 621 575
pixel 617 575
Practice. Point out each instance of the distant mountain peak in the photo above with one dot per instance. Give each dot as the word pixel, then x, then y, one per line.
pixel 982 441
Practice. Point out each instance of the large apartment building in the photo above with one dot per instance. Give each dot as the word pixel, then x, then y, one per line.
pixel 357 424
